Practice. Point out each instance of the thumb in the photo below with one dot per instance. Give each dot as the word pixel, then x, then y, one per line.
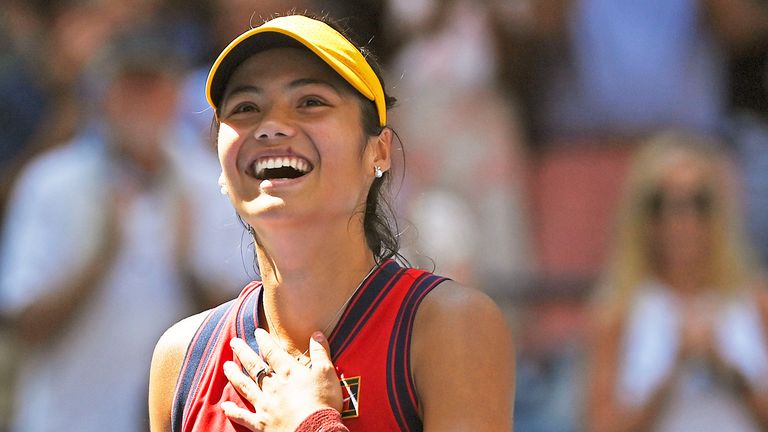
pixel 320 355
pixel 324 372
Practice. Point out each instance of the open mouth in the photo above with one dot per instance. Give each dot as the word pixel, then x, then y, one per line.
pixel 271 168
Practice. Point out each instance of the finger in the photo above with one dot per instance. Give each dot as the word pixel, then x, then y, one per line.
pixel 320 355
pixel 247 356
pixel 272 353
pixel 241 416
pixel 242 383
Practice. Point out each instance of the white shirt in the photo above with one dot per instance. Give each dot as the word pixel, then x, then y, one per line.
pixel 700 400
pixel 92 375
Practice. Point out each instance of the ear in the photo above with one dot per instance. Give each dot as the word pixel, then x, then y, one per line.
pixel 380 150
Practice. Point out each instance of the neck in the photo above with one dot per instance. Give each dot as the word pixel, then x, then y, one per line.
pixel 308 276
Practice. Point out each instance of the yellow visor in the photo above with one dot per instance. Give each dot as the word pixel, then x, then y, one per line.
pixel 333 48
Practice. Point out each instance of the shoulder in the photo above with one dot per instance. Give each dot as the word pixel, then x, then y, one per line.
pixel 462 360
pixel 173 343
pixel 167 361
pixel 56 172
pixel 461 317
pixel 68 159
pixel 453 306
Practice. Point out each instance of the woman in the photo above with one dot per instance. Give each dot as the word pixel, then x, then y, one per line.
pixel 680 341
pixel 305 153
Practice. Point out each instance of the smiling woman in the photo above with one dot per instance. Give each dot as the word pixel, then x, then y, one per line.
pixel 305 152
pixel 285 104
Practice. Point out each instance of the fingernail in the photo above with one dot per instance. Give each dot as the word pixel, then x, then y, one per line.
pixel 318 336
pixel 229 366
pixel 233 342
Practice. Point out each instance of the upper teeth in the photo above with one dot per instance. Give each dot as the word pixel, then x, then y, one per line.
pixel 278 162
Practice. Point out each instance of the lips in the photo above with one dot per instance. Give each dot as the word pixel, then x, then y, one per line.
pixel 280 167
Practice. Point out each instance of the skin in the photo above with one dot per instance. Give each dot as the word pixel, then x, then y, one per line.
pixel 288 102
pixel 681 258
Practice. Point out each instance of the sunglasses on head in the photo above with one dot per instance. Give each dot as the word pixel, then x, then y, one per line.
pixel 700 202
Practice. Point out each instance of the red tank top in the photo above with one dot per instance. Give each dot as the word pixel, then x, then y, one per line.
pixel 370 348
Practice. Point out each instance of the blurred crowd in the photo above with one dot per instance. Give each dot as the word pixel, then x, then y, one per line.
pixel 599 167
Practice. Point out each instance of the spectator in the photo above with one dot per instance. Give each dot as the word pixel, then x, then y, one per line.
pixel 595 77
pixel 109 239
pixel 680 340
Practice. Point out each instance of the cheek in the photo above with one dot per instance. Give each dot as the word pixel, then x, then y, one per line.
pixel 341 146
pixel 227 146
pixel 344 163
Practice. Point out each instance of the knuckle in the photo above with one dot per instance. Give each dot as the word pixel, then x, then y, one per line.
pixel 250 394
pixel 267 352
pixel 251 366
pixel 325 369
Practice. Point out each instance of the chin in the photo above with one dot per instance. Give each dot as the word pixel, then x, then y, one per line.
pixel 264 204
pixel 267 208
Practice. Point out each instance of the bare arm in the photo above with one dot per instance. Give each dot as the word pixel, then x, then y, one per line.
pixel 167 361
pixel 463 362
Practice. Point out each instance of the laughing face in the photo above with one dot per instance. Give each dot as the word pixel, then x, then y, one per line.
pixel 291 143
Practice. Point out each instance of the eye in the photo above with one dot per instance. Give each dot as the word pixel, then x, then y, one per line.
pixel 312 101
pixel 244 107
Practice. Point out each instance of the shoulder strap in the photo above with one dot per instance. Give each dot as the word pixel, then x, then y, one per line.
pixel 222 320
pixel 400 384
pixel 198 353
pixel 363 304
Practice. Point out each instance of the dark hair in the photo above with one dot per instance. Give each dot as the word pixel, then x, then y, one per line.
pixel 379 220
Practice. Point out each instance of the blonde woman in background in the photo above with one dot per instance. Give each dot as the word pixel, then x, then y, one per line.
pixel 680 333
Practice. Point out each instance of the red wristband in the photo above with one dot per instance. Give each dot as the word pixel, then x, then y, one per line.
pixel 324 420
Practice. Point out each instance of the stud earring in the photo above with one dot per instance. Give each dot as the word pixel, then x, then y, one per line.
pixel 377 171
pixel 223 185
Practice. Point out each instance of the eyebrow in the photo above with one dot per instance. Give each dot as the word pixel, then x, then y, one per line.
pixel 241 89
pixel 311 81
pixel 249 88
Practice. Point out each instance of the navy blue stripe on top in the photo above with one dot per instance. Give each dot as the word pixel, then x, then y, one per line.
pixel 363 303
pixel 248 318
pixel 197 356
pixel 400 387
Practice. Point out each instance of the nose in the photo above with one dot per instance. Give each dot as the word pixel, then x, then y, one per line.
pixel 274 125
